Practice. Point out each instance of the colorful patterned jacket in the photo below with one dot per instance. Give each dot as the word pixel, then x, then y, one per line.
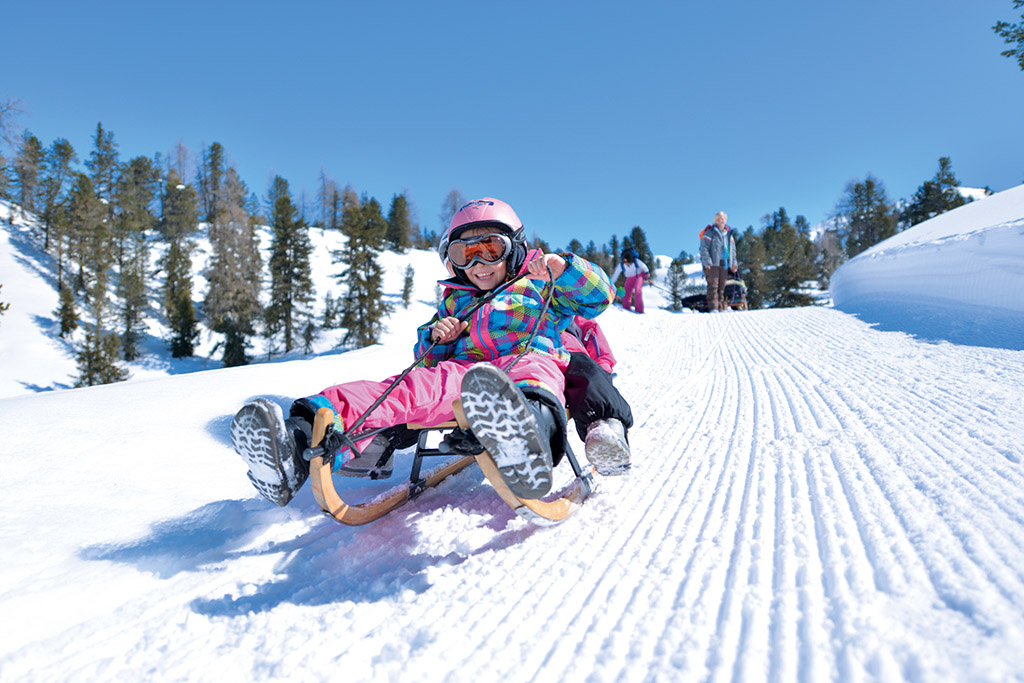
pixel 503 325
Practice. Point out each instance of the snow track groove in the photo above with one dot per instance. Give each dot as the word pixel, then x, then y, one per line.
pixel 811 499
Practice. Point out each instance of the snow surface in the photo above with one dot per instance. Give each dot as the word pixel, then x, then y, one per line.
pixel 814 497
pixel 956 277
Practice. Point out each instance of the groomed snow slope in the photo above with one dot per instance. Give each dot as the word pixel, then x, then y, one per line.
pixel 812 499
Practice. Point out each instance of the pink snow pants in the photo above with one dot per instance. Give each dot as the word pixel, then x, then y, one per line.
pixel 634 287
pixel 425 396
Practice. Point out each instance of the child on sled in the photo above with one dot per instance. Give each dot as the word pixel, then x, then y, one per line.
pixel 506 362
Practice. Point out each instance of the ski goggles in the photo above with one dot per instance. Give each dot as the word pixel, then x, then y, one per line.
pixel 486 249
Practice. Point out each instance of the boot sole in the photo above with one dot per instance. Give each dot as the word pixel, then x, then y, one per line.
pixel 501 420
pixel 254 437
pixel 609 457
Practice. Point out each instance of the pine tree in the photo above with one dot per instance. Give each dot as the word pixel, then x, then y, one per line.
pixel 865 215
pixel 67 313
pixel 178 303
pixel 27 166
pixel 753 258
pixel 4 306
pixel 291 282
pixel 1013 35
pixel 97 359
pixel 104 167
pixel 232 304
pixel 364 305
pixel 179 220
pixel 398 236
pixel 99 354
pixel 934 197
pixel 331 312
pixel 407 285
pixel 209 178
pixel 791 256
pixel 135 190
pixel 86 228
pixel 638 240
pixel 676 283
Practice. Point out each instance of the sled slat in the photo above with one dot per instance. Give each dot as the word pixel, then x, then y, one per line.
pixel 322 482
pixel 560 507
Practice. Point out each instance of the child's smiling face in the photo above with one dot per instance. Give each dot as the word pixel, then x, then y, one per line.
pixel 485 276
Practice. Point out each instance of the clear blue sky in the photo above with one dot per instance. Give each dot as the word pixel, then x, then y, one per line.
pixel 588 117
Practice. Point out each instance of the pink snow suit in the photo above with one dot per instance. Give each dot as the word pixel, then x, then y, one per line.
pixel 497 333
pixel 634 286
pixel 591 342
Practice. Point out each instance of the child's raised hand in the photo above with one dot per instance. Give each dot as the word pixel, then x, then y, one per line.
pixel 539 267
pixel 447 330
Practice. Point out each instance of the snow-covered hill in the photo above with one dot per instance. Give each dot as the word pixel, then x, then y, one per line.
pixel 956 277
pixel 813 498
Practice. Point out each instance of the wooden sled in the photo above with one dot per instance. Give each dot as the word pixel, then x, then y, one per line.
pixel 555 508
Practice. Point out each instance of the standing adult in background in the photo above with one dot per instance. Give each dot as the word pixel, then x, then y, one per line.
pixel 718 258
pixel 635 271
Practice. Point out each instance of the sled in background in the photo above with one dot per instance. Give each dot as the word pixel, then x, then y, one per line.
pixel 735 296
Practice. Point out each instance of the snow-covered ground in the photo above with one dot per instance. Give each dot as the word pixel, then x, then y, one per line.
pixel 813 497
pixel 956 277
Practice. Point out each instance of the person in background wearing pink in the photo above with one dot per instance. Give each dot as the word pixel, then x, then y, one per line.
pixel 636 272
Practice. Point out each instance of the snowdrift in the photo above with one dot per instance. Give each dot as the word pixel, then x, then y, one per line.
pixel 958 277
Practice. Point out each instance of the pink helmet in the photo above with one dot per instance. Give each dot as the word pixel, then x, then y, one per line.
pixel 486 212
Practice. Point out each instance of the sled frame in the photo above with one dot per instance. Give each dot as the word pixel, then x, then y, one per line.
pixel 550 510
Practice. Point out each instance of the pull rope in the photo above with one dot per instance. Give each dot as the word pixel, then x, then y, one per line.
pixel 540 319
pixel 464 317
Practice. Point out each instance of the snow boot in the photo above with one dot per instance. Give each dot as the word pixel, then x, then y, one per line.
pixel 515 430
pixel 606 447
pixel 272 448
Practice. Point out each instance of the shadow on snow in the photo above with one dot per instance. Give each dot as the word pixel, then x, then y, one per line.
pixel 320 561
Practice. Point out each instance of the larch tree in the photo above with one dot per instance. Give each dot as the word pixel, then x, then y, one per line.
pixel 9 111
pixel 60 157
pixel 453 201
pixel 232 304
pixel 27 167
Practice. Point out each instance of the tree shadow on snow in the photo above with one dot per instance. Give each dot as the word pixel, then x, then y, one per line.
pixel 316 560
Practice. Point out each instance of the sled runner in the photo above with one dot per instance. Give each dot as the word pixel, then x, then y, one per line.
pixel 550 510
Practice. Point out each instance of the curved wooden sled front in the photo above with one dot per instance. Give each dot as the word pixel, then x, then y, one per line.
pixel 327 497
pixel 543 512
